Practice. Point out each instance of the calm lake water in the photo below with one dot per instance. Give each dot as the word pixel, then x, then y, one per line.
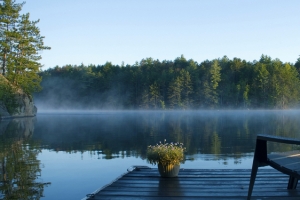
pixel 66 155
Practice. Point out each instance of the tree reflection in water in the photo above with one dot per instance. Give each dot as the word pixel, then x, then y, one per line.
pixel 20 168
pixel 108 135
pixel 207 135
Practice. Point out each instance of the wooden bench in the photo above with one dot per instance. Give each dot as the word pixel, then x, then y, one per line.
pixel 287 163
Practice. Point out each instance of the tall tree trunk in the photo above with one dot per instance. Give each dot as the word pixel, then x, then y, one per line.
pixel 3 64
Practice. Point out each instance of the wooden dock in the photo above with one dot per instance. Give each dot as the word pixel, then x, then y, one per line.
pixel 145 183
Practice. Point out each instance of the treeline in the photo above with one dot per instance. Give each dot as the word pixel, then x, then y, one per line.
pixel 179 84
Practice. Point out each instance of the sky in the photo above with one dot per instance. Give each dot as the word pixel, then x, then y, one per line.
pixel 127 31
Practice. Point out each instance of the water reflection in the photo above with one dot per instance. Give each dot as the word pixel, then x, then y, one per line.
pixel 210 137
pixel 169 187
pixel 20 169
pixel 122 134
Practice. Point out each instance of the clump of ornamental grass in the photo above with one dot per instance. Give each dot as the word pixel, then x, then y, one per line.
pixel 166 153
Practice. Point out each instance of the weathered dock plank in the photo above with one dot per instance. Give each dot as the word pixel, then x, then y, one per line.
pixel 145 183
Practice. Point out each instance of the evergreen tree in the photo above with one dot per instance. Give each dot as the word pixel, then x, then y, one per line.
pixel 261 85
pixel 21 45
pixel 174 92
pixel 297 64
pixel 286 86
pixel 9 15
pixel 155 95
pixel 210 84
pixel 187 89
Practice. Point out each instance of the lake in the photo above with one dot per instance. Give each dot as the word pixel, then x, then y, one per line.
pixel 66 155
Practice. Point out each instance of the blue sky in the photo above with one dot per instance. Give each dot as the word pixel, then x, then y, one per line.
pixel 97 31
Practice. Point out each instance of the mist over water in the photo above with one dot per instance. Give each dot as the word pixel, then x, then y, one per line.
pixel 226 131
pixel 67 94
pixel 91 148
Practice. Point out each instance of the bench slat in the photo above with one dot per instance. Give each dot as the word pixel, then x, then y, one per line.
pixel 279 139
pixel 287 160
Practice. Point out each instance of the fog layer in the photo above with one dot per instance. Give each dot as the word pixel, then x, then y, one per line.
pixel 179 84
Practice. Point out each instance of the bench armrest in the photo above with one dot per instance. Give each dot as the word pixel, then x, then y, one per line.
pixel 279 139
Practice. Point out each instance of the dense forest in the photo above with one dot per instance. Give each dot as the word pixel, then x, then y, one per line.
pixel 180 84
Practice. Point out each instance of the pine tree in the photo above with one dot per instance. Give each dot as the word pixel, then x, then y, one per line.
pixel 154 95
pixel 20 47
pixel 174 91
pixel 210 84
pixel 9 14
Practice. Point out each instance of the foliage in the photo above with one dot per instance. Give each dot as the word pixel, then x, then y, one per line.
pixel 7 96
pixel 179 84
pixel 166 153
pixel 20 45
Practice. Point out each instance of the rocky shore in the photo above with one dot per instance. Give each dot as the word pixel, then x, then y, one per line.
pixel 26 107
